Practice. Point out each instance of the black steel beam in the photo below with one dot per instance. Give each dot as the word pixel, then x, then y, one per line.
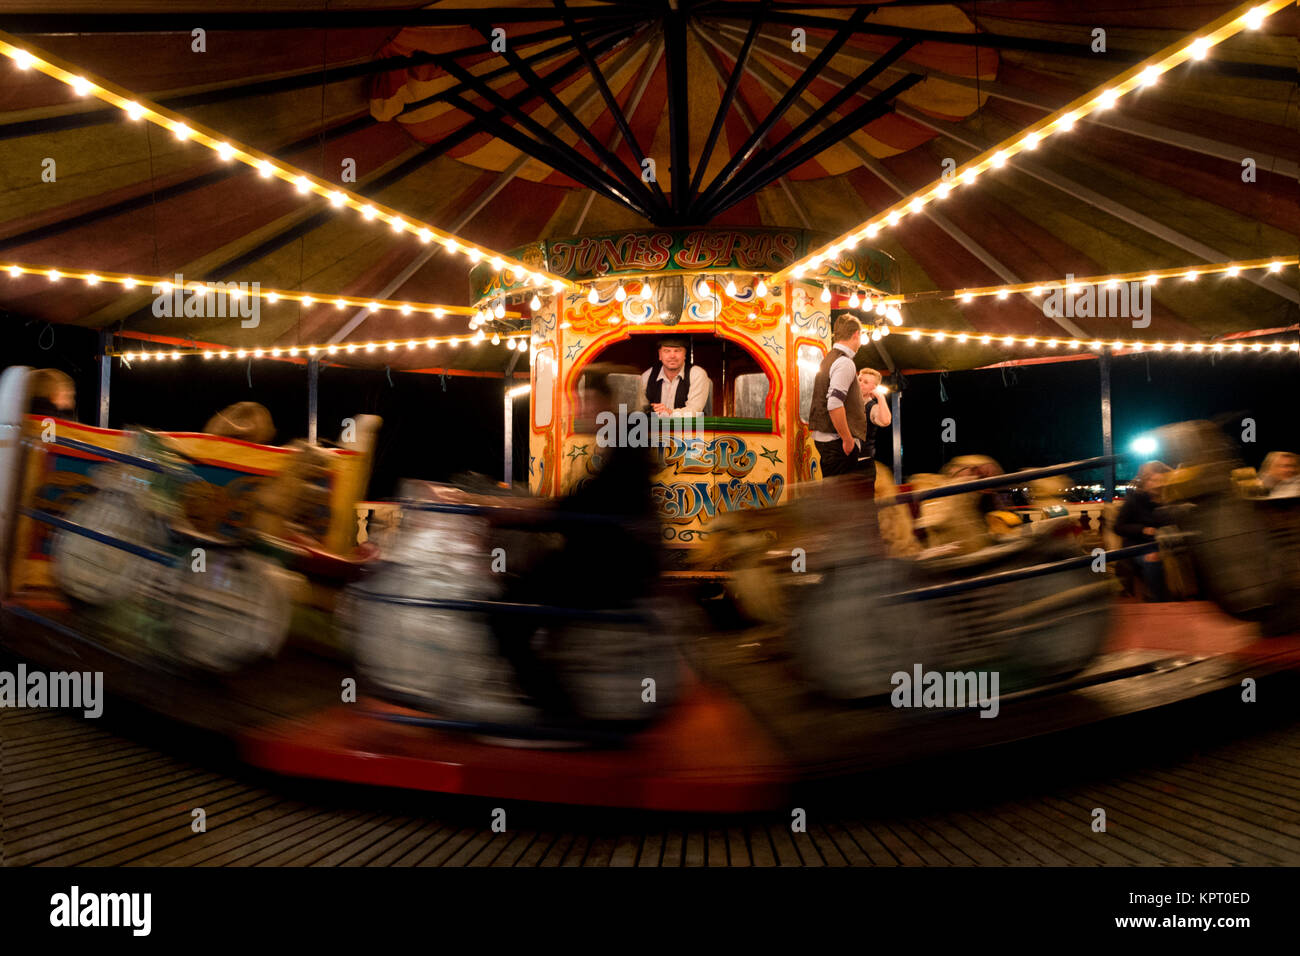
pixel 631 181
pixel 679 124
pixel 728 95
pixel 872 109
pixel 598 35
pixel 590 175
pixel 611 102
pixel 846 28
pixel 769 156
pixel 546 146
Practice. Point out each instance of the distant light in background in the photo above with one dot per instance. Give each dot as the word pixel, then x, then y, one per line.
pixel 1144 445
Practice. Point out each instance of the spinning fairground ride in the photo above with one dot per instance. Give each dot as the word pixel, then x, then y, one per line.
pixel 221 582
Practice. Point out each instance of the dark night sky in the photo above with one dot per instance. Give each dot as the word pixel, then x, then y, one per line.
pixel 1033 415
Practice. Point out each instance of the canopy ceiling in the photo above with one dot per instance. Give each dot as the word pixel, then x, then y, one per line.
pixel 550 137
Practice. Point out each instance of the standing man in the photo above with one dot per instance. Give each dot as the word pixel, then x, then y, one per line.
pixel 673 386
pixel 838 416
pixel 878 416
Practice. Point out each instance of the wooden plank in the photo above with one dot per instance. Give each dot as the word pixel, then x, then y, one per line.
pixel 512 852
pixel 760 846
pixel 229 832
pixel 559 849
pixel 715 847
pixel 674 849
pixel 652 850
pixel 577 851
pixel 376 851
pixel 865 838
pixel 978 844
pixel 737 847
pixel 627 850
pixel 600 850
pixel 415 847
pixel 695 848
pixel 537 852
pixel 347 837
pixel 124 832
pixel 467 838
pixel 782 841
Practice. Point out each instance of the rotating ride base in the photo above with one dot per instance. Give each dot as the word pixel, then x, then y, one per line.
pixel 742 734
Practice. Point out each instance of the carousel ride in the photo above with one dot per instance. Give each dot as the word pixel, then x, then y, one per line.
pixel 224 584
pixel 768 650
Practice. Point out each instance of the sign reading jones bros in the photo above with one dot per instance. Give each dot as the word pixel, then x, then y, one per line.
pixel 594 256
pixel 637 252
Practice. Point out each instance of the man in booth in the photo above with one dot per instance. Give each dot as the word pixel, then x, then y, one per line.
pixel 673 386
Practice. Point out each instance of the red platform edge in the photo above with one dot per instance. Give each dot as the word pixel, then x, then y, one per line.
pixel 708 755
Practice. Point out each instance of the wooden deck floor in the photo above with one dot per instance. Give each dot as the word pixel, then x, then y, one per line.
pixel 1198 786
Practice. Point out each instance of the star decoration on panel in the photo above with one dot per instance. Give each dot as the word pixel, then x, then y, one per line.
pixel 771 454
pixel 771 343
pixel 576 452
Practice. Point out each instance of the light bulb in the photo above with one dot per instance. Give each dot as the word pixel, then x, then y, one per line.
pixel 620 293
pixel 854 301
pixel 826 293
pixel 593 296
pixel 500 310
pixel 730 288
pixel 761 288
pixel 496 339
pixel 534 303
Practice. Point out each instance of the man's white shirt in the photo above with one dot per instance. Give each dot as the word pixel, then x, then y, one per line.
pixel 697 390
pixel 843 372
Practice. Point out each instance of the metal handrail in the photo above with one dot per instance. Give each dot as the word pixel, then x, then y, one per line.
pixel 508 607
pixel 140 550
pixel 147 464
pixel 1018 574
pixel 997 481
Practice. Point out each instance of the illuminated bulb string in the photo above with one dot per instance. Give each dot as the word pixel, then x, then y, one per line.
pixel 137 108
pixel 168 286
pixel 512 340
pixel 1249 16
pixel 1075 284
pixel 1066 343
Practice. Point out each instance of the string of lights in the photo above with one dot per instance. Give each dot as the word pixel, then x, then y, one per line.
pixel 1074 344
pixel 511 340
pixel 164 285
pixel 137 108
pixel 1250 16
pixel 1072 284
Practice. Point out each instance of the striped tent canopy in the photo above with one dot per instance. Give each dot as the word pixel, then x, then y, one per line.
pixel 509 122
